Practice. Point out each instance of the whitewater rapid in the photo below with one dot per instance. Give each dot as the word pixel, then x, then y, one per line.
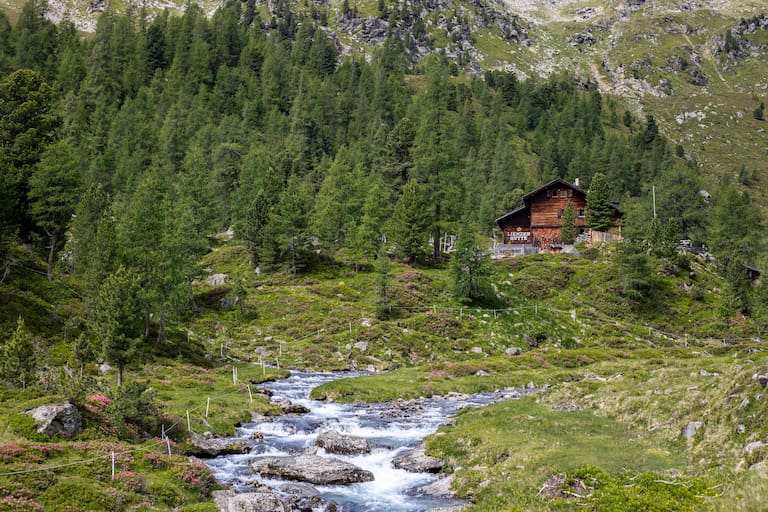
pixel 390 427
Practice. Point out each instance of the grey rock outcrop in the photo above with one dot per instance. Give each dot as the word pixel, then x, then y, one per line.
pixel 208 448
pixel 57 419
pixel 513 351
pixel 417 461
pixel 261 501
pixel 311 468
pixel 341 444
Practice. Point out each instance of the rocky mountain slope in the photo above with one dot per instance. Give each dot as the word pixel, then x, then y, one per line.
pixel 699 66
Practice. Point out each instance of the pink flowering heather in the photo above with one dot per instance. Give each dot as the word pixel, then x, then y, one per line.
pixel 156 460
pixel 100 399
pixel 11 451
pixel 130 481
pixel 19 503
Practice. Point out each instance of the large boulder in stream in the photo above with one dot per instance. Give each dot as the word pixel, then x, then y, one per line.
pixel 208 448
pixel 311 468
pixel 335 442
pixel 416 461
pixel 261 501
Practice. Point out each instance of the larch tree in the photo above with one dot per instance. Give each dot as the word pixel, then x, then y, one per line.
pixel 736 226
pixel 117 318
pixel 435 164
pixel 338 203
pixel 54 190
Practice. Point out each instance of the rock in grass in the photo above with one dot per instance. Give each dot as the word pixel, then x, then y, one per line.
pixel 692 428
pixel 209 448
pixel 311 468
pixel 57 419
pixel 262 501
pixel 417 461
pixel 754 446
pixel 217 279
pixel 341 444
pixel 513 351
pixel 761 378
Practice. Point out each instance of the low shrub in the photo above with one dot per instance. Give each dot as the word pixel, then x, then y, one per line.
pixel 24 425
pixel 166 493
pixel 77 494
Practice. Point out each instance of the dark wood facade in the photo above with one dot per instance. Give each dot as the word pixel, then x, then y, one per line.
pixel 537 223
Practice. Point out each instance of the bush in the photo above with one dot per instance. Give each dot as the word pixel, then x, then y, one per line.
pixel 166 493
pixel 24 425
pixel 77 494
pixel 133 410
pixel 196 476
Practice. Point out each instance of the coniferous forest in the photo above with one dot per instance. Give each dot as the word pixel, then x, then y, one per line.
pixel 130 147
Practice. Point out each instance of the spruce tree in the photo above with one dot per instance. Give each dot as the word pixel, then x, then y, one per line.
pixel 470 269
pixel 410 222
pixel 18 363
pixel 599 207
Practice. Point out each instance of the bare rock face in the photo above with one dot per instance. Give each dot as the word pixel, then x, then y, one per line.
pixel 262 501
pixel 416 461
pixel 342 444
pixel 57 419
pixel 209 448
pixel 311 468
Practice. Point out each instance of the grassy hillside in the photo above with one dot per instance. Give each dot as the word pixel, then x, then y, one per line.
pixel 622 380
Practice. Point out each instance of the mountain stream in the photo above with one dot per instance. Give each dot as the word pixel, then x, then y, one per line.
pixel 392 427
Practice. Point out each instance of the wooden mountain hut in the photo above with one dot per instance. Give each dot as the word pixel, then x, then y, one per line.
pixel 536 225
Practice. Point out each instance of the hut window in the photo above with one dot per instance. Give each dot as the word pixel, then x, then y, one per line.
pixel 559 213
pixel 563 193
pixel 581 213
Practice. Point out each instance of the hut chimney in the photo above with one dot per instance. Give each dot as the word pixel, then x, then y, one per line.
pixel 576 182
